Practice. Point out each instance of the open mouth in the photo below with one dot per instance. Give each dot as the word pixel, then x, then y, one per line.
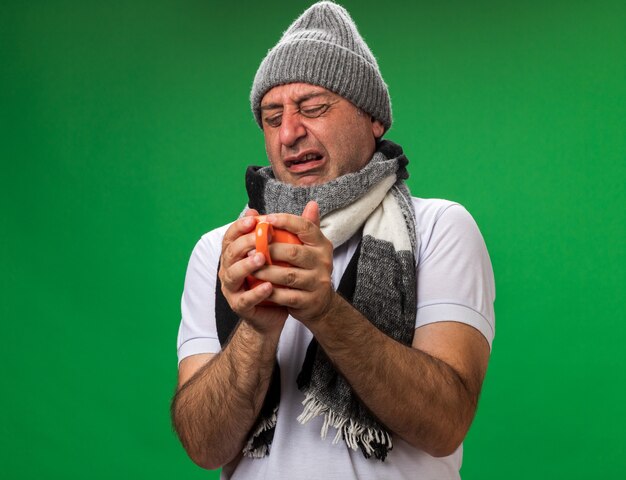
pixel 306 159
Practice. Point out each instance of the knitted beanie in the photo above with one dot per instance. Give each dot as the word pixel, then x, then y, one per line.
pixel 323 47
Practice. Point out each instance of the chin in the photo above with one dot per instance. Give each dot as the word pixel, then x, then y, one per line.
pixel 310 181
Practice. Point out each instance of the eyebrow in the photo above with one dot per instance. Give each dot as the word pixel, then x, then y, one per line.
pixel 303 98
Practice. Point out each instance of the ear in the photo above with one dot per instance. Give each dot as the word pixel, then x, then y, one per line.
pixel 377 128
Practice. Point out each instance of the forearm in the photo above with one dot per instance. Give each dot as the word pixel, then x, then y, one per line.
pixel 418 397
pixel 215 410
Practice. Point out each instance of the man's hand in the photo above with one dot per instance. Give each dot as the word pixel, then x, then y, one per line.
pixel 236 263
pixel 307 289
pixel 219 397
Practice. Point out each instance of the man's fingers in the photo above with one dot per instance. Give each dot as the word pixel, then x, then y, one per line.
pixel 306 230
pixel 237 249
pixel 299 299
pixel 296 255
pixel 232 278
pixel 249 299
pixel 297 278
pixel 237 229
pixel 288 297
pixel 312 213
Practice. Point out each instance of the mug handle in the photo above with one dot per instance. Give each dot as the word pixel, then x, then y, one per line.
pixel 264 233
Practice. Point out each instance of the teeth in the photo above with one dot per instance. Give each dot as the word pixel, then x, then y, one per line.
pixel 306 158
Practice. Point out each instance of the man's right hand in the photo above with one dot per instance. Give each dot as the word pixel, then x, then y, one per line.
pixel 219 397
pixel 236 263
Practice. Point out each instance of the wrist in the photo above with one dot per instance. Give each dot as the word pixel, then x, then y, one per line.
pixel 326 320
pixel 264 339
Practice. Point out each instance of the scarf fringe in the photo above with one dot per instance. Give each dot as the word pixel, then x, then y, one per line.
pixel 355 435
pixel 260 450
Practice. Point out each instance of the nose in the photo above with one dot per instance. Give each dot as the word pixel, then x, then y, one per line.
pixel 291 129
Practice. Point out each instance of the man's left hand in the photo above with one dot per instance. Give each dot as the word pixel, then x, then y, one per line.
pixel 306 287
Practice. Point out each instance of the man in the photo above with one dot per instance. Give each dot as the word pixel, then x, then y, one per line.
pixel 382 325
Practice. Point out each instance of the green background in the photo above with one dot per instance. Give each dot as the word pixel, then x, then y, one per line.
pixel 125 131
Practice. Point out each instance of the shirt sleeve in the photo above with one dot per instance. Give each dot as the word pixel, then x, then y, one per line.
pixel 455 278
pixel 198 332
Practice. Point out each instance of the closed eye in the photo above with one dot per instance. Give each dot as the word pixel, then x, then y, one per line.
pixel 314 111
pixel 309 111
pixel 274 120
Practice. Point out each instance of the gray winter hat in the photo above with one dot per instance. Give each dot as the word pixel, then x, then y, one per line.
pixel 323 47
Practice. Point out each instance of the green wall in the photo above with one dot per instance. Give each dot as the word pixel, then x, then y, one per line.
pixel 125 131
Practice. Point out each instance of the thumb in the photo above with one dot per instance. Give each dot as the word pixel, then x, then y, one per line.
pixel 312 213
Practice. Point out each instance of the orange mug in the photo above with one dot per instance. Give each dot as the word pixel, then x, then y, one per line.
pixel 265 234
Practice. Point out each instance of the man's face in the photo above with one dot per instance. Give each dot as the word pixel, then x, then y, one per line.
pixel 313 136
